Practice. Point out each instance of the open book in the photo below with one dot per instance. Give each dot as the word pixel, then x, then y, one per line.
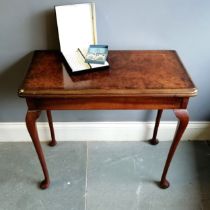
pixel 77 30
pixel 76 60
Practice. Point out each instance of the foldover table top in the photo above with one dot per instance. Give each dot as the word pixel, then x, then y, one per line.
pixel 140 73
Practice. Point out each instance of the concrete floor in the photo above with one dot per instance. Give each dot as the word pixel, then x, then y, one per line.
pixel 105 176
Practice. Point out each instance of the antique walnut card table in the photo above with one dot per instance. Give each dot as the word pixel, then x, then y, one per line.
pixel 136 80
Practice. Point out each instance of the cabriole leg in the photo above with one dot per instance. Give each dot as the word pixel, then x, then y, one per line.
pixel 183 118
pixel 31 118
pixel 50 122
pixel 154 139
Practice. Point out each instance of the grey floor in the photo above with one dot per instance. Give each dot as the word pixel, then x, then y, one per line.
pixel 105 176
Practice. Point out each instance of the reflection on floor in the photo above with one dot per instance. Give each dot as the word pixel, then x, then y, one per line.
pixel 105 176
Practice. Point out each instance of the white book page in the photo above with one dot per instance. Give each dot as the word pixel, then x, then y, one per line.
pixel 94 65
pixel 76 61
pixel 76 26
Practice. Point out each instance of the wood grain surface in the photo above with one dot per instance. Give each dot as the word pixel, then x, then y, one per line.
pixel 140 73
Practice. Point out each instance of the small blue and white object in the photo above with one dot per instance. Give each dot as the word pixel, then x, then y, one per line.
pixel 97 54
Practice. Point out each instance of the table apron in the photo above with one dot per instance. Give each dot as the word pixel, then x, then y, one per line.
pixel 107 103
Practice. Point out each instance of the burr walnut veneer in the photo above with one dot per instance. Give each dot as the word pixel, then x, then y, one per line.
pixel 135 80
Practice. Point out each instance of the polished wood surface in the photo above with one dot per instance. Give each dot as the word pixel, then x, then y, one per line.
pixel 140 73
pixel 135 80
